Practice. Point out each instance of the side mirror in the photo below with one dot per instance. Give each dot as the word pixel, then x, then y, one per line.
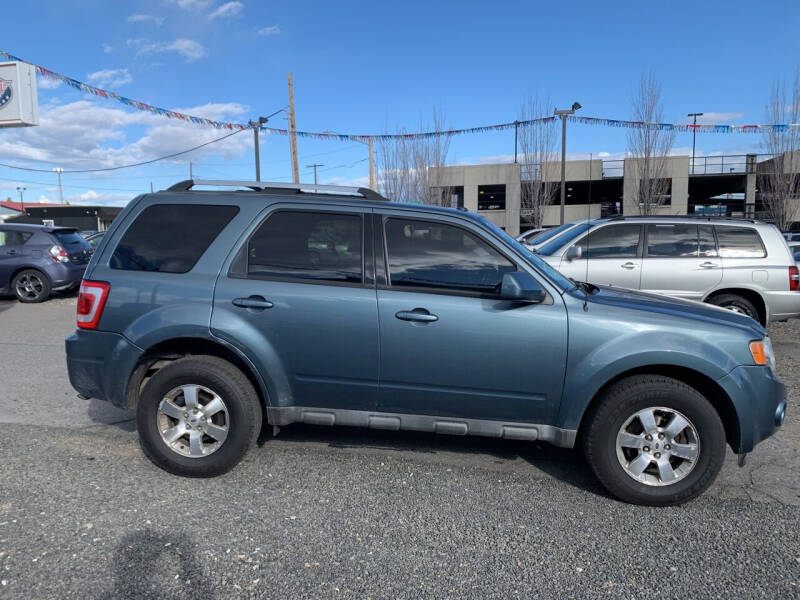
pixel 573 253
pixel 522 287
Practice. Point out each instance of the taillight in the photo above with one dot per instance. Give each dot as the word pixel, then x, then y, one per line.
pixel 58 254
pixel 91 301
pixel 794 279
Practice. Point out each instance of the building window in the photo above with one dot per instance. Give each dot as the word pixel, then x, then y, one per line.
pixel 448 196
pixel 492 197
pixel 659 192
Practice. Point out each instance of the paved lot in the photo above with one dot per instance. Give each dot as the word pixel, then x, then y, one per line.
pixel 320 512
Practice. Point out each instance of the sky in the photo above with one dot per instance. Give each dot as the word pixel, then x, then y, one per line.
pixel 370 67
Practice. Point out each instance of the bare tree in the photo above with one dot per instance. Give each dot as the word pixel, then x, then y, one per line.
pixel 649 146
pixel 407 165
pixel 779 177
pixel 537 143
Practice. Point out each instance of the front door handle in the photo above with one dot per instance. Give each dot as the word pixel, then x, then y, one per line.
pixel 418 314
pixel 708 265
pixel 629 265
pixel 257 302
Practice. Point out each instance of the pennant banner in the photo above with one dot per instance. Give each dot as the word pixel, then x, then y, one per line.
pixel 171 114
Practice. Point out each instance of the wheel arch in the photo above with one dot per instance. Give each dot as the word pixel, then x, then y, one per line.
pixel 750 294
pixel 703 384
pixel 167 351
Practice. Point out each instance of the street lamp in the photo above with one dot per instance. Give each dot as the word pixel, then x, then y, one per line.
pixel 563 114
pixel 694 134
pixel 256 125
pixel 21 201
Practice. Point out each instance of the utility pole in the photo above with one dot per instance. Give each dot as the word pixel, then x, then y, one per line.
pixel 21 200
pixel 59 170
pixel 256 125
pixel 191 175
pixel 314 166
pixel 563 114
pixel 293 132
pixel 371 167
pixel 516 131
pixel 694 134
pixel 151 187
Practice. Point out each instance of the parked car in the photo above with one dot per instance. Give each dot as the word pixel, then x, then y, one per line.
pixel 794 248
pixel 742 265
pixel 87 233
pixel 529 234
pixel 205 310
pixel 544 235
pixel 95 239
pixel 36 260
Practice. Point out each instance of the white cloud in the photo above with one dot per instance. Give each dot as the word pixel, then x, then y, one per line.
pixel 190 4
pixel 108 49
pixel 268 31
pixel 45 83
pixel 110 77
pixel 229 9
pixel 141 18
pixel 189 49
pixel 714 118
pixel 90 134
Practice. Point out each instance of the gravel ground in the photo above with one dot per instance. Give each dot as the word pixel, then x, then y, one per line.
pixel 321 512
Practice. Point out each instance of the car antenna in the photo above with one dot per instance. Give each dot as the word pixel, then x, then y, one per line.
pixel 588 216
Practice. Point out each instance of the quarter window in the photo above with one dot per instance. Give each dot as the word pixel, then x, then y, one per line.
pixel 612 241
pixel 739 242
pixel 424 254
pixel 307 245
pixel 672 240
pixel 14 238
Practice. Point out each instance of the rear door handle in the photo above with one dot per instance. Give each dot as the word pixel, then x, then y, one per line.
pixel 629 265
pixel 418 314
pixel 257 302
pixel 708 265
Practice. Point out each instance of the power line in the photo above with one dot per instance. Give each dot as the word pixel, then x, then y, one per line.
pixel 139 164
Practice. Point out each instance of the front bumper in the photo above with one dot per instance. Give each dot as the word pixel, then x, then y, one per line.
pixel 758 397
pixel 100 363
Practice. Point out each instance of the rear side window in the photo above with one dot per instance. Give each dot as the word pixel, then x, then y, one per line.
pixel 612 241
pixel 170 238
pixel 673 240
pixel 739 242
pixel 425 254
pixel 14 238
pixel 307 245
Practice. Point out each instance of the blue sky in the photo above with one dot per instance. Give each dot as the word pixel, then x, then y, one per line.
pixel 370 67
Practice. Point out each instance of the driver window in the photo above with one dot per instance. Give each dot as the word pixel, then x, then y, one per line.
pixel 307 245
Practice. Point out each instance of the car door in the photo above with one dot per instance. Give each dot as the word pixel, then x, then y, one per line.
pixel 11 253
pixel 680 259
pixel 299 299
pixel 449 346
pixel 610 255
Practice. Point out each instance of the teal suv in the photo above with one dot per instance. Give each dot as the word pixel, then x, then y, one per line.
pixel 214 312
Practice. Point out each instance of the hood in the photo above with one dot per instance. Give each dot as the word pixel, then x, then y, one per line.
pixel 657 303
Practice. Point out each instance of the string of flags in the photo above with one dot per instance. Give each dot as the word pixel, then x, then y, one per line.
pixel 171 114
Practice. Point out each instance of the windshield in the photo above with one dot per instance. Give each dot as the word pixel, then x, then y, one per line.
pixel 547 234
pixel 553 245
pixel 537 262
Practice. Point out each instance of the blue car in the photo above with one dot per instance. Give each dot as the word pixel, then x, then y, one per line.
pixel 36 260
pixel 214 313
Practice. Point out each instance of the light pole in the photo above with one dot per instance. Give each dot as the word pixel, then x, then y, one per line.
pixel 563 114
pixel 256 125
pixel 21 201
pixel 314 166
pixel 694 134
pixel 59 170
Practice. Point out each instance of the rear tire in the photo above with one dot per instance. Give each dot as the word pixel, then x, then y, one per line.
pixel 198 417
pixel 737 304
pixel 639 448
pixel 31 286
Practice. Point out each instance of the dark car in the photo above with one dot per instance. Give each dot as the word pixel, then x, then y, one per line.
pixel 212 312
pixel 95 238
pixel 36 260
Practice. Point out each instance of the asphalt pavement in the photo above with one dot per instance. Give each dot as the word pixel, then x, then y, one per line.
pixel 346 513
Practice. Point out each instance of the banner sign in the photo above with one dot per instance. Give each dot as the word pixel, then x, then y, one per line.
pixel 90 89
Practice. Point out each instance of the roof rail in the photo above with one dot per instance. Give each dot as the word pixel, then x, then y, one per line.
pixel 698 217
pixel 277 188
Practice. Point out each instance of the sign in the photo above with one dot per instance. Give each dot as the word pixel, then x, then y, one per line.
pixel 19 106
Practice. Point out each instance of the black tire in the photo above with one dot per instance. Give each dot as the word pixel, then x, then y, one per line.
pixel 244 415
pixel 623 400
pixel 31 286
pixel 738 304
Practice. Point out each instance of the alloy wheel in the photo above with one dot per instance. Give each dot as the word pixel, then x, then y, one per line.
pixel 193 421
pixel 29 286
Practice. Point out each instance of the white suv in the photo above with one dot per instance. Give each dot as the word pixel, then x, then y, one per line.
pixel 743 265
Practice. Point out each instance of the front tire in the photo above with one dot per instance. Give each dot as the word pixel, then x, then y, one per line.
pixel 655 441
pixel 31 286
pixel 198 416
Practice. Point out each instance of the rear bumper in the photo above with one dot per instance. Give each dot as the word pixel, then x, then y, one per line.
pixel 758 396
pixel 64 275
pixel 100 363
pixel 782 305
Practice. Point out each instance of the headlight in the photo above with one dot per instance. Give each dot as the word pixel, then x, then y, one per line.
pixel 762 352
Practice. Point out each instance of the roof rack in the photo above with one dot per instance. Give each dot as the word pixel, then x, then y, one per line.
pixel 698 217
pixel 280 188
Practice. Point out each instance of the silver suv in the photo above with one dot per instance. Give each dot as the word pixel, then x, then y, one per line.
pixel 742 265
